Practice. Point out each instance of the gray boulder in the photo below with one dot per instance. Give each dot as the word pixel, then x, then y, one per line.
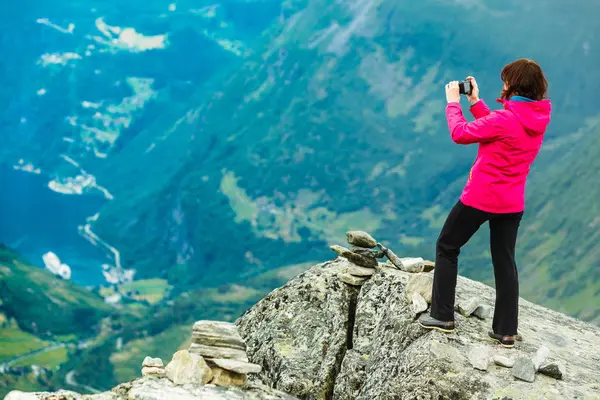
pixel 555 370
pixel 524 369
pixel 299 332
pixel 319 339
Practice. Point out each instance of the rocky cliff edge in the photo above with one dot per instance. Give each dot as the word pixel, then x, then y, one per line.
pixel 320 338
pixel 343 331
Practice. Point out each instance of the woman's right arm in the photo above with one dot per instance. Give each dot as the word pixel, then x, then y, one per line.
pixel 478 108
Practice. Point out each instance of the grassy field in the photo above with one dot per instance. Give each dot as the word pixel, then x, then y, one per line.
pixel 14 342
pixel 49 360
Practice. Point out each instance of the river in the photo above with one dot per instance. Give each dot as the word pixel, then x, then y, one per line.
pixel 35 220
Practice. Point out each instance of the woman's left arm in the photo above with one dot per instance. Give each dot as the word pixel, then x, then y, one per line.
pixel 482 130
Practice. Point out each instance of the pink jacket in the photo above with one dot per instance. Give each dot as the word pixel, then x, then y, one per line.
pixel 509 140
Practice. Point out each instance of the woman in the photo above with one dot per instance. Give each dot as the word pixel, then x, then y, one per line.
pixel 509 140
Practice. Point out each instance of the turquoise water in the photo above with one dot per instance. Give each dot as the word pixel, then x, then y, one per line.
pixel 35 220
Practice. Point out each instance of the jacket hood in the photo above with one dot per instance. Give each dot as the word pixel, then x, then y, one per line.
pixel 534 116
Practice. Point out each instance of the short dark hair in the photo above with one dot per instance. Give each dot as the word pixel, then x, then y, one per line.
pixel 525 78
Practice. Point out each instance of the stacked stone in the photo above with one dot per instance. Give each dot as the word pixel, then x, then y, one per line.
pixel 364 254
pixel 152 366
pixel 363 257
pixel 217 356
pixel 224 350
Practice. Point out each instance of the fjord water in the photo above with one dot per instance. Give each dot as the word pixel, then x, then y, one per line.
pixel 35 220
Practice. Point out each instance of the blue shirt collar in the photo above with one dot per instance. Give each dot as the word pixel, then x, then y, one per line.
pixel 521 98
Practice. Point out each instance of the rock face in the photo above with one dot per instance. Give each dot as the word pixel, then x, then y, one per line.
pixel 299 332
pixel 318 338
pixel 163 389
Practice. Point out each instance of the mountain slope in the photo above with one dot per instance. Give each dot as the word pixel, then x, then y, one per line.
pixel 338 124
pixel 43 303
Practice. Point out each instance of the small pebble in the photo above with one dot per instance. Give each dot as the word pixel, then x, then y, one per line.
pixel 503 361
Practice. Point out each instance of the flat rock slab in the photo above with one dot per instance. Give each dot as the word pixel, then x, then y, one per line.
pixel 361 239
pixel 354 257
pixel 353 280
pixel 235 366
pixel 524 369
pixel 364 251
pixel 554 369
pixel 218 352
pixel 152 371
pixel 217 333
pixel 152 362
pixel 361 271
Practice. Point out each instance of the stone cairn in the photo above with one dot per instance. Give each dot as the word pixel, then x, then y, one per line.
pixel 216 356
pixel 364 253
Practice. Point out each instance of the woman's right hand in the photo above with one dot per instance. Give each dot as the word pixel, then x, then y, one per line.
pixel 474 96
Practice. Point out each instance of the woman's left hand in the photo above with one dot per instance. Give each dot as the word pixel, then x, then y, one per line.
pixel 453 92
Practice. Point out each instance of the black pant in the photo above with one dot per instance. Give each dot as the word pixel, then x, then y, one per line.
pixel 462 223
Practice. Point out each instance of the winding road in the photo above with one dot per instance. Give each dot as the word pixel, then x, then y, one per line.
pixel 51 347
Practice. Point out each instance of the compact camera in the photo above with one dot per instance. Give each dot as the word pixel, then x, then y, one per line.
pixel 465 87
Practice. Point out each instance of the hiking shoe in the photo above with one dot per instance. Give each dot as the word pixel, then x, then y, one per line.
pixel 505 340
pixel 428 322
